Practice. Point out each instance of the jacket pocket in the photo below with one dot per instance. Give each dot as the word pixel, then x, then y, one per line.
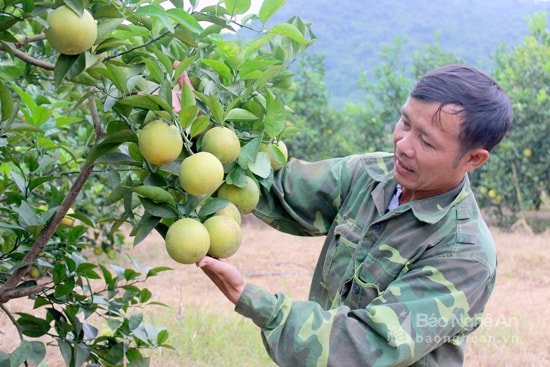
pixel 338 261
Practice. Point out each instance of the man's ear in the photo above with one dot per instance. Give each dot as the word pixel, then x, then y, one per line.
pixel 475 158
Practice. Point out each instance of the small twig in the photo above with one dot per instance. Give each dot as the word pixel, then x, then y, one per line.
pixel 23 292
pixel 95 115
pixel 30 39
pixel 151 41
pixel 13 320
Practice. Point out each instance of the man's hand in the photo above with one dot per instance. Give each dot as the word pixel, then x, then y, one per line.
pixel 226 277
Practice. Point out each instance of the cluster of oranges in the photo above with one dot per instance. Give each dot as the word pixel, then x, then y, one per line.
pixel 202 174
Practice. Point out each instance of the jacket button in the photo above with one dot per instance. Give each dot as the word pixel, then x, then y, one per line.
pixel 376 227
pixel 356 289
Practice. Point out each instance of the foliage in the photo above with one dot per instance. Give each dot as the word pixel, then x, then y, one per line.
pixel 520 171
pixel 68 132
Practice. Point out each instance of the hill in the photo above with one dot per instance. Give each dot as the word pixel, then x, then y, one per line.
pixel 351 33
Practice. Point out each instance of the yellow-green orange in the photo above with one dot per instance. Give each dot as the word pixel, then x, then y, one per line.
pixel 201 173
pixel 527 153
pixel 70 34
pixel 160 143
pixel 245 198
pixel 231 211
pixel 268 148
pixel 225 236
pixel 187 241
pixel 223 143
pixel 34 272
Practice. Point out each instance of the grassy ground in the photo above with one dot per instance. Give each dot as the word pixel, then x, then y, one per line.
pixel 207 333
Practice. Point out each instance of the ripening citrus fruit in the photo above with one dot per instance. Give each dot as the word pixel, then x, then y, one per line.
pixel 159 142
pixel 527 153
pixel 70 34
pixel 225 236
pixel 34 272
pixel 245 198
pixel 187 241
pixel 492 194
pixel 201 173
pixel 223 143
pixel 67 220
pixel 231 211
pixel 276 164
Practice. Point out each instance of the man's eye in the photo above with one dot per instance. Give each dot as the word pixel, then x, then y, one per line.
pixel 426 143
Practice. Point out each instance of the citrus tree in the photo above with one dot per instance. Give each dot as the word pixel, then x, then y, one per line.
pixel 517 178
pixel 105 110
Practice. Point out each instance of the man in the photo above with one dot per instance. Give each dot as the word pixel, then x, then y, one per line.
pixel 408 263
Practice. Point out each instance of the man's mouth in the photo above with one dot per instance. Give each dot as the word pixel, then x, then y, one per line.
pixel 403 166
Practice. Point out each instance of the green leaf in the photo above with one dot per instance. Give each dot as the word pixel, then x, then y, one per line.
pixel 118 75
pixel 237 6
pixel 76 5
pixel 212 206
pixel 275 118
pixel 65 63
pixel 110 142
pixel 118 158
pixel 187 115
pixel 251 69
pixel 6 22
pixel 216 108
pixel 261 166
pixel 185 19
pixel 155 193
pixel 267 75
pixel 156 11
pixel 6 102
pixel 199 125
pixel 239 114
pixel 219 67
pixel 32 326
pixel 140 101
pixel 290 31
pixel 269 8
pixel 161 102
pixel 255 44
pixel 24 126
pixel 145 226
pixel 154 271
pixel 157 209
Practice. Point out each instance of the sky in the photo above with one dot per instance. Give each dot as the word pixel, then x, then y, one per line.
pixel 254 8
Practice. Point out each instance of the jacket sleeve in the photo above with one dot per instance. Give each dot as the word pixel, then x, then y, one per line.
pixel 289 206
pixel 431 304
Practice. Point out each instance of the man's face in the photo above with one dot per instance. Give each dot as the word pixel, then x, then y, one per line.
pixel 427 161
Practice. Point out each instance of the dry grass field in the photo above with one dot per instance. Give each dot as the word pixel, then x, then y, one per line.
pixel 515 330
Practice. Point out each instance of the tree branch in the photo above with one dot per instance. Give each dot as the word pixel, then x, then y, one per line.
pixel 7 290
pixel 26 57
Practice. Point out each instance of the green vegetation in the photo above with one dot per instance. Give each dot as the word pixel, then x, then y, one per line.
pixel 69 141
pixel 70 128
pixel 204 338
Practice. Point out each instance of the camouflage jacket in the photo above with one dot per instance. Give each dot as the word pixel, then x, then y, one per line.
pixel 396 288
